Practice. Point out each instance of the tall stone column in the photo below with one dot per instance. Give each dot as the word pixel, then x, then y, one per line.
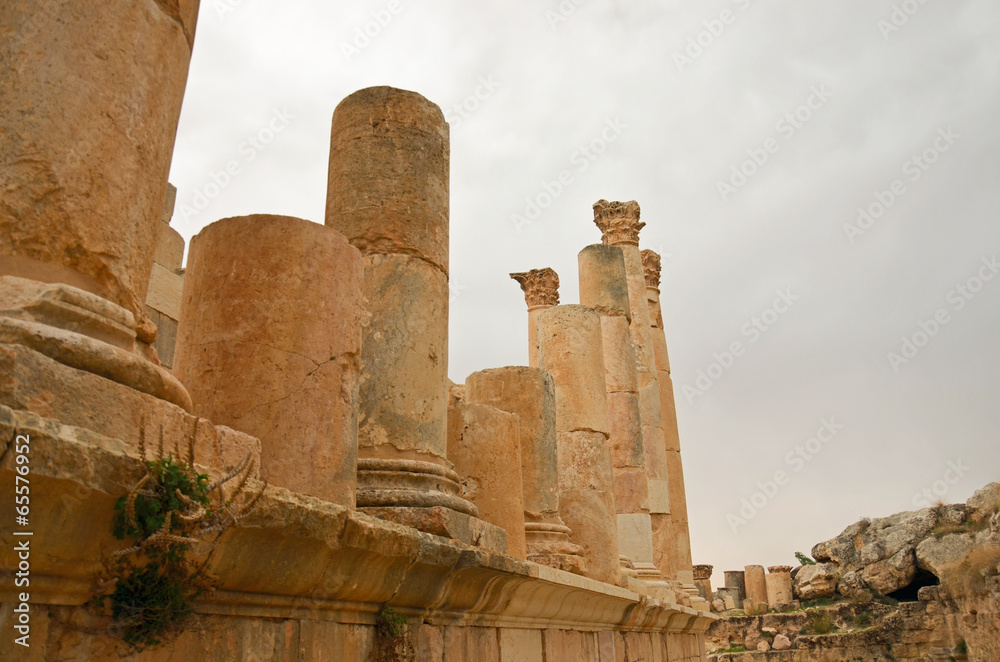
pixel 388 194
pixel 603 287
pixel 87 130
pixel 269 341
pixel 541 291
pixel 570 349
pixel 530 394
pixel 620 226
pixel 675 469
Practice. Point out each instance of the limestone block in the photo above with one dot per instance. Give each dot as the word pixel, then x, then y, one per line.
pixel 517 645
pixel 635 537
pixel 388 175
pixel 570 646
pixel 530 394
pixel 603 283
pixel 778 584
pixel 86 139
pixel 627 448
pixel 619 356
pixel 403 390
pixel 165 288
pixel 269 341
pixel 586 500
pixel 570 349
pixel 484 445
pixel 166 336
pixel 471 643
pixel 631 490
pixel 169 249
pixel 736 579
pixel 756 585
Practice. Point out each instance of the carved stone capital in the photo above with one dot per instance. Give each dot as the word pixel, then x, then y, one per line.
pixel 651 267
pixel 540 286
pixel 619 221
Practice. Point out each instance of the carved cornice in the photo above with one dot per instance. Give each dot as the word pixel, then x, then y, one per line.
pixel 651 267
pixel 619 221
pixel 540 286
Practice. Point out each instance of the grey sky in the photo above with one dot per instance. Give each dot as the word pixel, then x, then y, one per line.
pixel 551 83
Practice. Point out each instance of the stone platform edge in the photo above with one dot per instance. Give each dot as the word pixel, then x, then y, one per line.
pixel 300 557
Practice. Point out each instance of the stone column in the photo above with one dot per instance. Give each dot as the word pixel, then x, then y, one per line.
pixel 484 445
pixel 388 194
pixel 703 580
pixel 779 585
pixel 529 393
pixel 269 341
pixel 166 283
pixel 603 287
pixel 541 291
pixel 87 130
pixel 569 348
pixel 675 469
pixel 620 226
pixel 736 579
pixel 756 585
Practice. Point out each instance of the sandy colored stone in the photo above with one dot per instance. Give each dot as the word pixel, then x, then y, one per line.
pixel 570 646
pixel 541 291
pixel 664 554
pixel 756 584
pixel 165 291
pixel 517 645
pixel 403 387
pixel 603 284
pixel 627 448
pixel 635 537
pixel 484 446
pixel 269 342
pixel 570 349
pixel 619 357
pixel 586 500
pixel 530 394
pixel 736 579
pixel 87 137
pixel 388 174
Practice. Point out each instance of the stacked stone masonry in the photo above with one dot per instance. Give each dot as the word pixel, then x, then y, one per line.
pixel 494 521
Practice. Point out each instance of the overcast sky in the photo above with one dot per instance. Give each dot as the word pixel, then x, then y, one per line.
pixel 827 107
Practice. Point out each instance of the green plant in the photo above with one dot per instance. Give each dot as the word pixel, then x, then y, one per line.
pixel 149 586
pixel 962 648
pixel 803 559
pixel 392 640
pixel 735 648
pixel 821 622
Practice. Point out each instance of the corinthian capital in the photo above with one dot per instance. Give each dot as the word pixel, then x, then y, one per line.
pixel 541 287
pixel 651 267
pixel 619 221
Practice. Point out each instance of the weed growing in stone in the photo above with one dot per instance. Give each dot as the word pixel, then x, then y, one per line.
pixel 149 586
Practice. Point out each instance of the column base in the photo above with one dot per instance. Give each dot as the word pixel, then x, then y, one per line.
pixel 548 544
pixel 84 331
pixel 424 496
